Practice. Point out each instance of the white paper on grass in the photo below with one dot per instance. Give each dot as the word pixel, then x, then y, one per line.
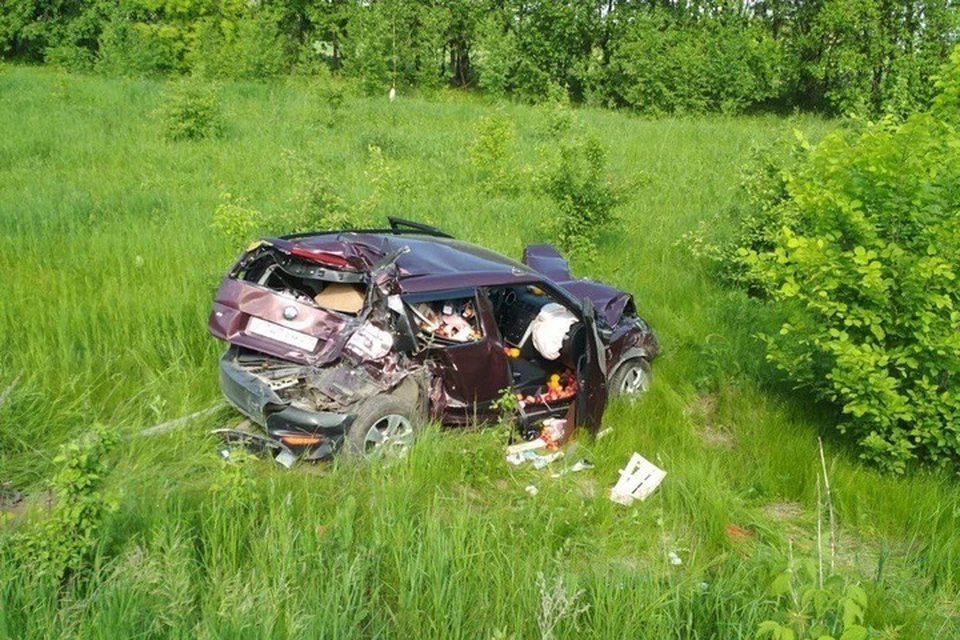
pixel 637 480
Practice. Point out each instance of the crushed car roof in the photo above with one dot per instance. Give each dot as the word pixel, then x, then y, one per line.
pixel 431 264
pixel 440 263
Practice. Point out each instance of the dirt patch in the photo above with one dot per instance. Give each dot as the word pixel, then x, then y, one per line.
pixel 784 511
pixel 12 501
pixel 702 410
pixel 718 437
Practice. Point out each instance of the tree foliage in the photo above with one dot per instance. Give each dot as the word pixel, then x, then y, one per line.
pixel 859 245
pixel 652 56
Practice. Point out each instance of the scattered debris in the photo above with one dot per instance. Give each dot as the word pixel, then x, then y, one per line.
pixel 170 425
pixel 580 465
pixel 553 432
pixel 675 560
pixel 532 489
pixel 253 443
pixel 541 461
pixel 559 387
pixel 524 452
pixel 286 458
pixel 603 433
pixel 454 320
pixel 526 446
pixel 637 481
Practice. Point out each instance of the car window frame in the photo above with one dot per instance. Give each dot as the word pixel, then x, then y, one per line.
pixel 411 299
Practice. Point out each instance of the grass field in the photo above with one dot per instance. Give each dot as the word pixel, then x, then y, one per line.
pixel 109 263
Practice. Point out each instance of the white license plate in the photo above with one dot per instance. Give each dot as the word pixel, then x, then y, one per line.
pixel 302 341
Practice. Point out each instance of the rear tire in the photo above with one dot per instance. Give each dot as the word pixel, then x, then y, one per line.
pixel 384 425
pixel 631 379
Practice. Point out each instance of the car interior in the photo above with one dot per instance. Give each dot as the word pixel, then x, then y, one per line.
pixel 536 376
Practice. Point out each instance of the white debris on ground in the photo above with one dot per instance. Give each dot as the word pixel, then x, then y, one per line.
pixel 579 465
pixel 637 481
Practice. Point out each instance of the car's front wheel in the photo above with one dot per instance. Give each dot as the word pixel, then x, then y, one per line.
pixel 631 379
pixel 384 425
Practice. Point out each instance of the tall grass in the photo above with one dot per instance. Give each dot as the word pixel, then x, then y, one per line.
pixel 108 266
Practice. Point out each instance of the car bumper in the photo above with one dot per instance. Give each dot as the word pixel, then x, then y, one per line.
pixel 254 398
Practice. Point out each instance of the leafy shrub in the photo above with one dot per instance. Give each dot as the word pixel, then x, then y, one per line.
pixel 384 179
pixel 65 538
pixel 815 610
pixel 663 64
pixel 490 151
pixel 758 215
pixel 575 179
pixel 319 204
pixel 191 111
pixel 236 221
pixel 131 48
pixel 556 121
pixel 864 266
pixel 332 95
pixel 242 44
pixel 69 57
pixel 494 57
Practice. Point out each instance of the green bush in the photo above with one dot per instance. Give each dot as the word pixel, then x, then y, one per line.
pixel 814 608
pixel 132 48
pixel 575 179
pixel 491 152
pixel 246 45
pixel 64 539
pixel 660 65
pixel 236 221
pixel 191 111
pixel 864 263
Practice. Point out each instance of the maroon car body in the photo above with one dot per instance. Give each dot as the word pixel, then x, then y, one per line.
pixel 323 326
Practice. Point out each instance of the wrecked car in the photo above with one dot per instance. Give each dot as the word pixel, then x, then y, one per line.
pixel 348 340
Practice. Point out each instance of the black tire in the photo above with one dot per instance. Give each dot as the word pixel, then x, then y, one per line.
pixel 631 379
pixel 383 413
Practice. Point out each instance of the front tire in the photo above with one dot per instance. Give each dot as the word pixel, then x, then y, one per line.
pixel 631 379
pixel 384 425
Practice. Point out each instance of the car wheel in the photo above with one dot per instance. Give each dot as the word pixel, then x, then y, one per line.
pixel 383 426
pixel 631 379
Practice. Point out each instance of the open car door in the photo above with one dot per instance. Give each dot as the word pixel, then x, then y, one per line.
pixel 591 374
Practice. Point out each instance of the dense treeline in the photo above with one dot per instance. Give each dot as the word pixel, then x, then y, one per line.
pixel 656 56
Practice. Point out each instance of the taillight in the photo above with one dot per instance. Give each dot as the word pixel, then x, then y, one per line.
pixel 300 440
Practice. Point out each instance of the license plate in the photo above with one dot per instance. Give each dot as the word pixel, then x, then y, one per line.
pixel 302 341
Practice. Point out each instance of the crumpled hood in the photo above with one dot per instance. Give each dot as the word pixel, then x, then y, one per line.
pixel 608 301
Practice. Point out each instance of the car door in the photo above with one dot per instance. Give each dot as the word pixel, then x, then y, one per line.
pixel 591 374
pixel 471 373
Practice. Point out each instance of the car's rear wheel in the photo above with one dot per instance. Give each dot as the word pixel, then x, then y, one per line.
pixel 384 425
pixel 631 379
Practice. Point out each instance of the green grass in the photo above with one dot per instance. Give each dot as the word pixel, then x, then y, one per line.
pixel 109 265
